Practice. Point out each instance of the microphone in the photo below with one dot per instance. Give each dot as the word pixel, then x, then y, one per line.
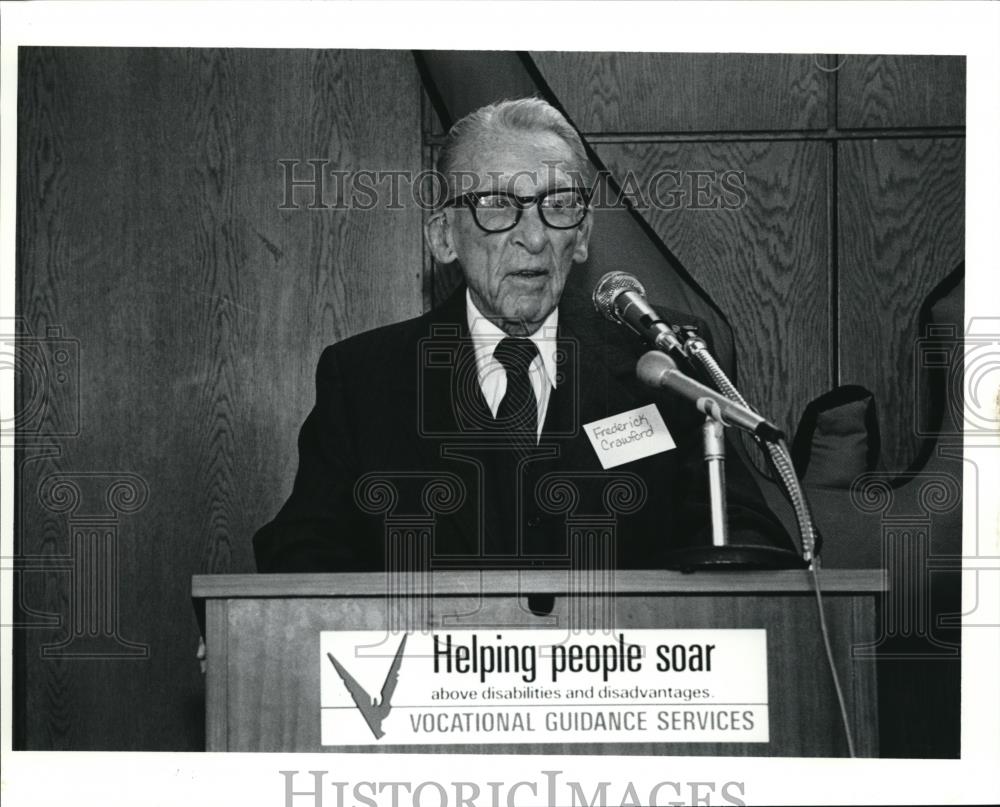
pixel 658 370
pixel 620 297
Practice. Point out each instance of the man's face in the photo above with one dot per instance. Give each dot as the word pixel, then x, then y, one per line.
pixel 515 277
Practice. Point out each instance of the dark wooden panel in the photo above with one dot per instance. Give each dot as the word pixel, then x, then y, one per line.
pixel 763 262
pixel 687 92
pixel 900 91
pixel 901 214
pixel 150 230
pixel 49 690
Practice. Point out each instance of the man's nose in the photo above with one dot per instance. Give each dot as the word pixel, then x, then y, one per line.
pixel 531 232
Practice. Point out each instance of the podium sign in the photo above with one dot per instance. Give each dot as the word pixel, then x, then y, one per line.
pixel 720 663
pixel 542 686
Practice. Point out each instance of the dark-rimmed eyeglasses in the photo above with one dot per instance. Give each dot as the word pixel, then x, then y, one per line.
pixel 498 211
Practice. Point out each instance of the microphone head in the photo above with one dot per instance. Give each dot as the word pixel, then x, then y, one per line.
pixel 609 287
pixel 653 366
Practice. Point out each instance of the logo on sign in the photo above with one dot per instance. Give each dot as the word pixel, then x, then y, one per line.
pixel 372 710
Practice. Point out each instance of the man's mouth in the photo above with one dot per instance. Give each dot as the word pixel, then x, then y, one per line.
pixel 528 274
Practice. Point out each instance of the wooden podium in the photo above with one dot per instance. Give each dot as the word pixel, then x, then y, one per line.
pixel 262 635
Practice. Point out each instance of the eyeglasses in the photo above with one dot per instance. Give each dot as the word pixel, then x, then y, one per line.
pixel 498 211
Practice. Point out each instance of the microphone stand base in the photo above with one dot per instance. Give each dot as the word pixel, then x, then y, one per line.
pixel 720 558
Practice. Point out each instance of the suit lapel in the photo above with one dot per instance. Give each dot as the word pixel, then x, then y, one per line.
pixel 453 415
pixel 598 381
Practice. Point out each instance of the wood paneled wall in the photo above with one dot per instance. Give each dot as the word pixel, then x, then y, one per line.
pixel 764 264
pixel 854 204
pixel 150 232
pixel 901 205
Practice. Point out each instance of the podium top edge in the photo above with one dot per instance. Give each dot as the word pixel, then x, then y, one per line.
pixel 498 583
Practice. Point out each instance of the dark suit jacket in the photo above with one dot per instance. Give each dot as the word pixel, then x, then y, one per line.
pixel 396 441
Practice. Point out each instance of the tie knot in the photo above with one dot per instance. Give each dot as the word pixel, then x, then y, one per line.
pixel 515 354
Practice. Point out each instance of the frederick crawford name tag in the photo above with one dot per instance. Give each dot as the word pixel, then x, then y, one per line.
pixel 536 686
pixel 629 436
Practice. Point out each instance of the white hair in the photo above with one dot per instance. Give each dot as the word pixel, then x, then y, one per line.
pixel 523 115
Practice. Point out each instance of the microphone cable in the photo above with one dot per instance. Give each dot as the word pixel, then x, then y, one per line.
pixel 825 633
pixel 782 462
pixel 608 288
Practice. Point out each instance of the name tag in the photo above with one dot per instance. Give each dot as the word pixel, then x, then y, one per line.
pixel 629 436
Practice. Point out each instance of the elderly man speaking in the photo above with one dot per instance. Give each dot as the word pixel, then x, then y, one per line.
pixel 524 415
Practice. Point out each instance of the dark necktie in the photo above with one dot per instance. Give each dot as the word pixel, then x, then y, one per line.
pixel 518 411
pixel 517 421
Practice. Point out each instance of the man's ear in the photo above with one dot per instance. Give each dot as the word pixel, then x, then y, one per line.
pixel 437 231
pixel 581 248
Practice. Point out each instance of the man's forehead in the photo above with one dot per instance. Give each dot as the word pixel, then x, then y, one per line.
pixel 520 161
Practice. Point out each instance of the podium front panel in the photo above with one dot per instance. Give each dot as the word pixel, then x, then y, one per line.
pixel 262 632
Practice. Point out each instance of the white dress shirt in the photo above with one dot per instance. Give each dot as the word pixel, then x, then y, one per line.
pixel 492 376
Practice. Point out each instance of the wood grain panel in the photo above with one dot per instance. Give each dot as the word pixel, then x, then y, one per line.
pixel 48 691
pixel 900 91
pixel 687 92
pixel 217 678
pixel 864 616
pixel 150 228
pixel 901 213
pixel 763 262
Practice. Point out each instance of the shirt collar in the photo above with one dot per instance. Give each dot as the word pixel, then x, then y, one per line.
pixel 486 336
